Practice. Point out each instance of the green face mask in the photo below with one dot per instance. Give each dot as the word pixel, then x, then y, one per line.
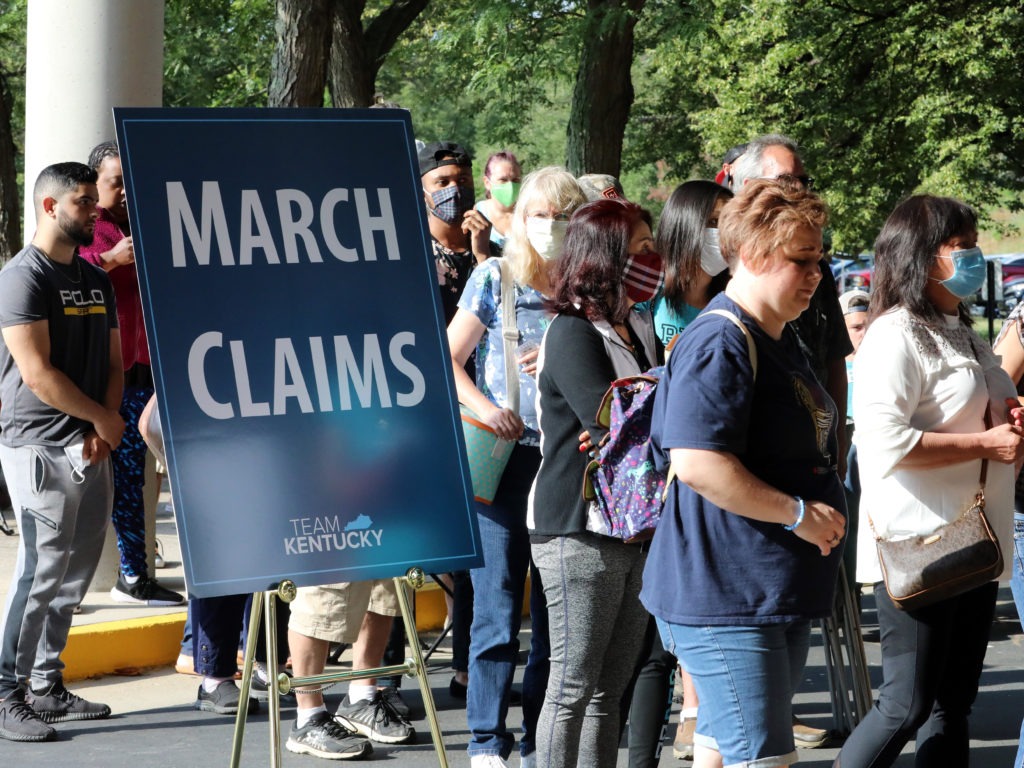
pixel 506 193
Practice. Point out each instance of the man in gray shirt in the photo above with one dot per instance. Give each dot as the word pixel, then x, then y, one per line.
pixel 60 386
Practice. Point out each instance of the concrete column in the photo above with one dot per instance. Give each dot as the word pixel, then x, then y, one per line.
pixel 83 58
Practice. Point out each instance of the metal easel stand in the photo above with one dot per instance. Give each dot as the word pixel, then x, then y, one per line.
pixel 846 665
pixel 413 667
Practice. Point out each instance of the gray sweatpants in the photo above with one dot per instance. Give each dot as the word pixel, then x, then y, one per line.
pixel 596 626
pixel 62 524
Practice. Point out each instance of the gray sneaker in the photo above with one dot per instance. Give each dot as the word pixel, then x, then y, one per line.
pixel 224 699
pixel 324 737
pixel 57 704
pixel 375 719
pixel 18 721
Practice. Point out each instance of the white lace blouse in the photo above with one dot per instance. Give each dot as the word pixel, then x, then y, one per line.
pixel 914 377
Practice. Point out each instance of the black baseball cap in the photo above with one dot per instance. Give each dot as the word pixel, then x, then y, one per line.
pixel 439 153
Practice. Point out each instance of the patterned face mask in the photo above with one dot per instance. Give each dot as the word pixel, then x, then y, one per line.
pixel 451 203
pixel 643 276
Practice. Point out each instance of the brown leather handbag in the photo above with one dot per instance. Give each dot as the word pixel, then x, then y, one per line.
pixel 954 559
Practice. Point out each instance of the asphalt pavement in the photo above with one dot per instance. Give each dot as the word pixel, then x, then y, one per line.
pixel 154 723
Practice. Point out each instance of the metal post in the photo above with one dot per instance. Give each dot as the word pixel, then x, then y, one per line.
pixel 413 667
pixel 273 698
pixel 415 579
pixel 243 699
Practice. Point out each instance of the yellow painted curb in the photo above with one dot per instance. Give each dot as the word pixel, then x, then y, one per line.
pixel 111 646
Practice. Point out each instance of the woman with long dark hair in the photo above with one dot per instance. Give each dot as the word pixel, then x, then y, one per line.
pixel 927 390
pixel 695 270
pixel 591 582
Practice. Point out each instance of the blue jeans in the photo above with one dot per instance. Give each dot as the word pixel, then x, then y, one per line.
pixel 1017 585
pixel 497 616
pixel 745 678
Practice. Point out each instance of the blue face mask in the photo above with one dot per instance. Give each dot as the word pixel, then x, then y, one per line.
pixel 968 273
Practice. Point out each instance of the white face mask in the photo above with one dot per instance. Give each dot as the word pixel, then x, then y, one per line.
pixel 546 236
pixel 711 260
pixel 77 461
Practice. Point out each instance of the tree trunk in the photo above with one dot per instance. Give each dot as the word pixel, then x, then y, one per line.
pixel 10 204
pixel 603 94
pixel 351 75
pixel 298 72
pixel 357 54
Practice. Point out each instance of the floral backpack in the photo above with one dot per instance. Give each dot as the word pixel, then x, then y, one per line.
pixel 627 481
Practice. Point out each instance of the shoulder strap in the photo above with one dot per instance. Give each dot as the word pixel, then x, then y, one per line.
pixel 751 352
pixel 751 346
pixel 509 333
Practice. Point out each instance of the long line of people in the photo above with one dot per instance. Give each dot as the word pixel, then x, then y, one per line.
pixel 753 414
pixel 755 526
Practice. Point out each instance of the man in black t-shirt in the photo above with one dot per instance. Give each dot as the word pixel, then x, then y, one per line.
pixel 820 329
pixel 60 385
pixel 446 172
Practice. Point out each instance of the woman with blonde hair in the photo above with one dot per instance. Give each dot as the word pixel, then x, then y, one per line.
pixel 547 199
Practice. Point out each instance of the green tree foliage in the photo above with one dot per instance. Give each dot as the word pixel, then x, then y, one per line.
pixel 886 98
pixel 12 121
pixel 217 52
pixel 549 79
pixel 489 74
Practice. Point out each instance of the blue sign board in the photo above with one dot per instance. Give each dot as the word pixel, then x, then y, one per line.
pixel 298 346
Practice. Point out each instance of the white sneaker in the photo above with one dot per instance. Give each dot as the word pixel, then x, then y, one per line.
pixel 487 761
pixel 528 761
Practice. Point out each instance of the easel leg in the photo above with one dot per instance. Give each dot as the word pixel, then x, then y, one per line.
pixel 243 699
pixel 273 697
pixel 420 669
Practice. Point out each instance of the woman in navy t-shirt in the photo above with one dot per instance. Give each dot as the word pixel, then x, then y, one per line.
pixel 748 548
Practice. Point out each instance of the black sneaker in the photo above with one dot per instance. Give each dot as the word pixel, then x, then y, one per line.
pixel 325 737
pixel 18 722
pixel 57 704
pixel 375 719
pixel 223 700
pixel 393 696
pixel 145 591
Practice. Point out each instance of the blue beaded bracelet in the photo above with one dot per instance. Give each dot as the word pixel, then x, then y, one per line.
pixel 799 515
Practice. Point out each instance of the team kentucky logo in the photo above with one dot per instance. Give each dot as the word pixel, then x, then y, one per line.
pixel 326 534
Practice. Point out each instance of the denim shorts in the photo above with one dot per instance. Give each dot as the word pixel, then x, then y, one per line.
pixel 1017 567
pixel 745 678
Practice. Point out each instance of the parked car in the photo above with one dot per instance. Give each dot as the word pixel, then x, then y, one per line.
pixel 1013 292
pixel 855 272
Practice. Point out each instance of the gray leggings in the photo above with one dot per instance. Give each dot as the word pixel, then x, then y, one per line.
pixel 62 525
pixel 596 626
